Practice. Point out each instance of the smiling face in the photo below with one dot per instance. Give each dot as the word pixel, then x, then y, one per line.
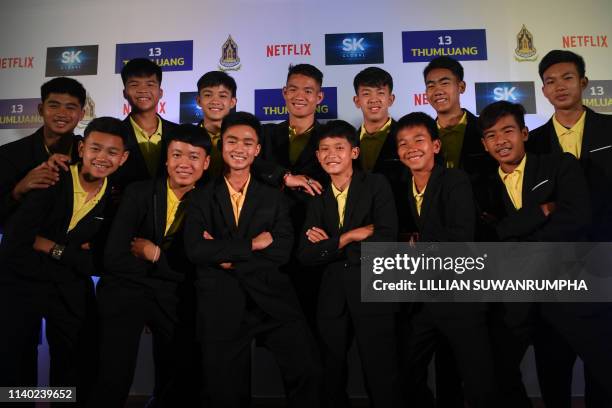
pixel 416 149
pixel 216 102
pixel 374 102
pixel 563 86
pixel 102 154
pixel 186 163
pixel 143 93
pixel 336 155
pixel 505 142
pixel 302 95
pixel 240 147
pixel 61 113
pixel 443 90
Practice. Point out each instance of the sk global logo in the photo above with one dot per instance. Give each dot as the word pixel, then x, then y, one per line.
pixel 270 104
pixel 525 50
pixel 279 50
pixel 598 96
pixel 230 61
pixel 354 48
pixel 77 60
pixel 515 92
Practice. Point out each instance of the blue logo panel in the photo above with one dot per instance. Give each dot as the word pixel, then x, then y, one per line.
pixel 20 114
pixel 598 96
pixel 169 55
pixel 270 104
pixel 189 112
pixel 72 61
pixel 354 48
pixel 515 92
pixel 464 45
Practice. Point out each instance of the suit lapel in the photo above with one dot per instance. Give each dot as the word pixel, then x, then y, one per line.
pixel 589 136
pixel 388 151
pixel 136 157
pixel 352 200
pixel 225 204
pixel 331 209
pixel 309 150
pixel 529 179
pixel 430 192
pixel 160 208
pixel 248 207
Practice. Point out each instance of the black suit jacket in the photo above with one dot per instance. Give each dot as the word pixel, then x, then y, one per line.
pixel 16 160
pixel 596 162
pixel 135 167
pixel 369 201
pixel 47 213
pixel 388 163
pixel 225 295
pixel 548 178
pixel 448 213
pixel 273 161
pixel 142 213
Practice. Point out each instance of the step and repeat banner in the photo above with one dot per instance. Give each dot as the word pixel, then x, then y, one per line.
pixel 499 45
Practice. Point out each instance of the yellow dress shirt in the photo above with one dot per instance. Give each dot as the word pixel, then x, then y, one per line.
pixel 571 139
pixel 371 144
pixel 514 183
pixel 149 145
pixel 418 197
pixel 237 198
pixel 297 143
pixel 80 205
pixel 452 142
pixel 174 215
pixel 341 197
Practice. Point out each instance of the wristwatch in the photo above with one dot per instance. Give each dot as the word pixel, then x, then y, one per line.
pixel 57 251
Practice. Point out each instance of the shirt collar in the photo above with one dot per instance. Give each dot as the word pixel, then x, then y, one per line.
pixel 141 131
pixel 578 126
pixel 520 169
pixel 382 131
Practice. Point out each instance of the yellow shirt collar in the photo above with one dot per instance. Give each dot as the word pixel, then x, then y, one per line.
pixel 382 131
pixel 462 122
pixel 571 139
pixel 140 131
pixel 80 205
pixel 237 197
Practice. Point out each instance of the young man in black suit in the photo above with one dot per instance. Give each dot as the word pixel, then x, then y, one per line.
pixel 585 134
pixel 149 281
pixel 355 207
pixel 23 163
pixel 238 233
pixel 540 197
pixel 216 97
pixel 47 256
pixel 288 160
pixel 461 148
pixel 441 202
pixel 144 129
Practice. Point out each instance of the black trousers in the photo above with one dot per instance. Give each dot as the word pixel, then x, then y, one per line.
pixel 465 327
pixel 125 309
pixel 69 312
pixel 227 363
pixel 564 332
pixel 376 340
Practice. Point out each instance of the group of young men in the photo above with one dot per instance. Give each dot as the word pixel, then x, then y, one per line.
pixel 230 231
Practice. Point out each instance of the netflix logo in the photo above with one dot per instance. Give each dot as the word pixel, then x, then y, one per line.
pixel 279 50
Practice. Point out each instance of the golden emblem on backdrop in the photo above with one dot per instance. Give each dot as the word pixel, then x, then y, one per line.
pixel 525 50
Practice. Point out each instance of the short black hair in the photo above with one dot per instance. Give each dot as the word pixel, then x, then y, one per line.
pixel 63 85
pixel 216 78
pixel 338 129
pixel 495 111
pixel 307 70
pixel 444 63
pixel 241 118
pixel 191 134
pixel 373 76
pixel 140 67
pixel 106 124
pixel 419 119
pixel 559 56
